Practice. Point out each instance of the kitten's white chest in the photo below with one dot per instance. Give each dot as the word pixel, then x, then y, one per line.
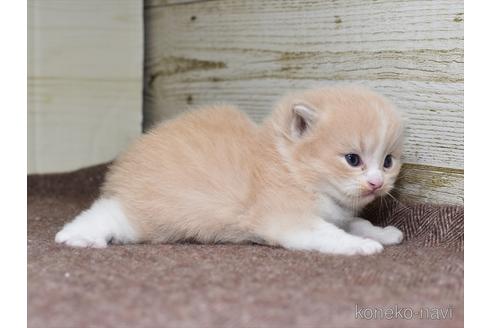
pixel 332 212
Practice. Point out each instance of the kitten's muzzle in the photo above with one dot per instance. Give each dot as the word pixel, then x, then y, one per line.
pixel 375 184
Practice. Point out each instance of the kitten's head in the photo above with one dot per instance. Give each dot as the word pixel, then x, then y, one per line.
pixel 344 142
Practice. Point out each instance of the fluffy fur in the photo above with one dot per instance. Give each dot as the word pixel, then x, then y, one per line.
pixel 212 175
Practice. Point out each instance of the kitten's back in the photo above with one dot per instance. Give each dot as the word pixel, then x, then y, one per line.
pixel 191 171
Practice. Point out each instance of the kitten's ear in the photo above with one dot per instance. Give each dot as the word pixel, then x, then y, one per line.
pixel 303 118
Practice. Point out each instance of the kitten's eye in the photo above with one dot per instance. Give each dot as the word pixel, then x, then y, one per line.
pixel 388 161
pixel 353 159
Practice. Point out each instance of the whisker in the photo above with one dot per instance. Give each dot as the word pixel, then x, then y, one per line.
pixel 379 207
pixel 400 193
pixel 396 200
pixel 386 206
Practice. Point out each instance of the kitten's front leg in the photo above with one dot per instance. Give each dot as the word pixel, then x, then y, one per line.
pixel 389 235
pixel 318 235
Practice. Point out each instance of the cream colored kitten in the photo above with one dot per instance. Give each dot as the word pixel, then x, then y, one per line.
pixel 296 181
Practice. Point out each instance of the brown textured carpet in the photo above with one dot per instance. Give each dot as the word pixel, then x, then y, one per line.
pixel 188 285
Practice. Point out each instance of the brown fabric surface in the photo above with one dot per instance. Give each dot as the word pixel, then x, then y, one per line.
pixel 189 285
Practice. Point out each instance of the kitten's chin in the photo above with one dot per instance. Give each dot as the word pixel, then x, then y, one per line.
pixel 362 201
pixel 350 200
pixel 367 198
pixel 356 202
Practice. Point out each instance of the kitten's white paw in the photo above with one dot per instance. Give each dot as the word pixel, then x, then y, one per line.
pixel 74 238
pixel 366 247
pixel 95 227
pixel 328 238
pixel 361 246
pixel 391 236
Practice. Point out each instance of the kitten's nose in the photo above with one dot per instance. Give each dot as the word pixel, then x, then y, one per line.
pixel 375 184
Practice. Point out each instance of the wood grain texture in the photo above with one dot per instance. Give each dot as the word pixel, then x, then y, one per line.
pixel 84 81
pixel 417 182
pixel 251 52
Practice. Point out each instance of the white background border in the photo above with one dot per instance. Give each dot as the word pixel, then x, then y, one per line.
pixel 13 129
pixel 478 162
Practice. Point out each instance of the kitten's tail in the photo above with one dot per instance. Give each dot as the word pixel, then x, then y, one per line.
pixel 104 221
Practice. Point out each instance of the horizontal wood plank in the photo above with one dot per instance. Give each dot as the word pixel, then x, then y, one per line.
pixel 417 182
pixel 75 123
pixel 84 81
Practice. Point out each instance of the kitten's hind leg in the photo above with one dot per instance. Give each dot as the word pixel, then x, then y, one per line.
pixel 95 227
pixel 389 235
pixel 319 235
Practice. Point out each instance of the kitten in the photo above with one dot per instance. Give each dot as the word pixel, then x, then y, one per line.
pixel 296 181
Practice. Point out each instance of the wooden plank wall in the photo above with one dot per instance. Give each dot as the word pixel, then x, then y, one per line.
pixel 85 60
pixel 250 52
